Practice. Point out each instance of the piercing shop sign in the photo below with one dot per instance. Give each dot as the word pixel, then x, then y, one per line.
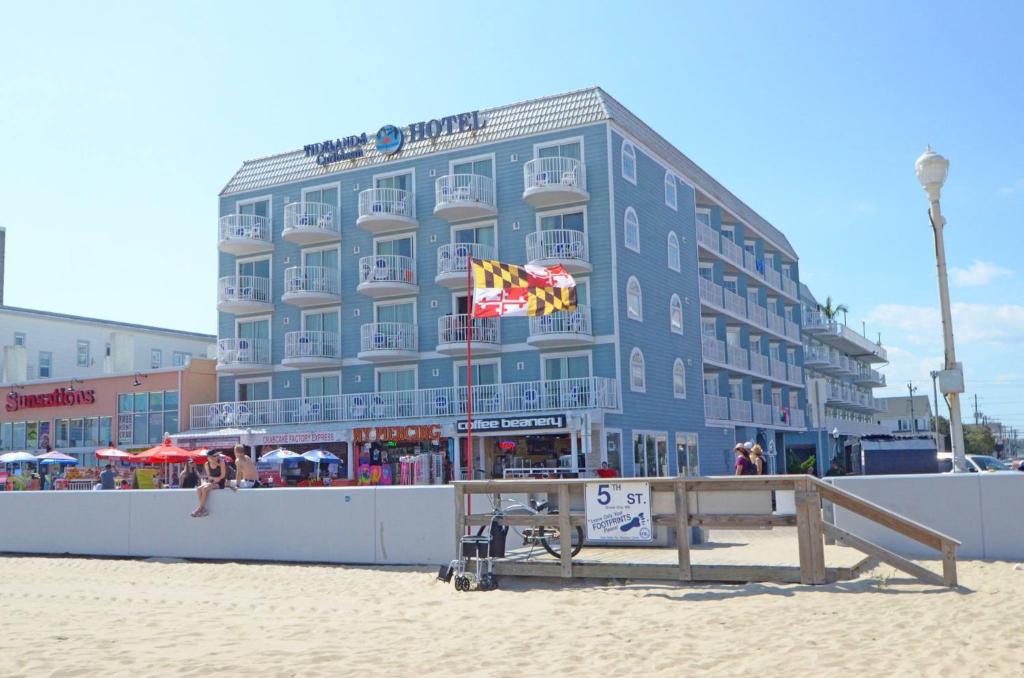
pixel 619 511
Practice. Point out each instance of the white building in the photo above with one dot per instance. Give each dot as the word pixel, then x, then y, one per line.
pixel 905 416
pixel 40 345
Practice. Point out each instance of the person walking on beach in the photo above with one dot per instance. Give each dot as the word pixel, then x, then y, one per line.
pixel 245 471
pixel 189 476
pixel 757 459
pixel 216 478
pixel 744 467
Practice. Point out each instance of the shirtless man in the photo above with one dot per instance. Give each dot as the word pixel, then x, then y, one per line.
pixel 245 470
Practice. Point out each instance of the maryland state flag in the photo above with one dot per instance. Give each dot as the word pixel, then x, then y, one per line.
pixel 505 289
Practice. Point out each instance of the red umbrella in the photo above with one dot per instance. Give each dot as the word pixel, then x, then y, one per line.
pixel 166 453
pixel 113 453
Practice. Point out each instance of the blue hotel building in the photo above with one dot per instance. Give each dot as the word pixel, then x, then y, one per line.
pixel 342 297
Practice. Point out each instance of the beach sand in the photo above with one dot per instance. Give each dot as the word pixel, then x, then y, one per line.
pixel 120 617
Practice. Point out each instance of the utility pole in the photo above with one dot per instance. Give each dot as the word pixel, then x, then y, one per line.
pixel 913 422
pixel 975 409
pixel 935 416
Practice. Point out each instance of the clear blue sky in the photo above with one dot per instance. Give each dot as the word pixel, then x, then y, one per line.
pixel 119 125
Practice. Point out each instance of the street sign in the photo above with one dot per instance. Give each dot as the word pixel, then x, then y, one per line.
pixel 619 511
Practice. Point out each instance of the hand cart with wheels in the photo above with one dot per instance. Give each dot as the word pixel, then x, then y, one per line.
pixel 476 560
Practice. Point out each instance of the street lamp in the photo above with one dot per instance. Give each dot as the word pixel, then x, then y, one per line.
pixel 932 170
pixel 835 437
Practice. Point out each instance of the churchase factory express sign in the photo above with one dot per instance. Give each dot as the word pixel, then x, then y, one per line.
pixel 390 138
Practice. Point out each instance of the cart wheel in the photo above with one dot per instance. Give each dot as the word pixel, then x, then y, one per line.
pixel 489 582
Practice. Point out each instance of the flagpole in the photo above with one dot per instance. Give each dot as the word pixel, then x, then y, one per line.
pixel 469 373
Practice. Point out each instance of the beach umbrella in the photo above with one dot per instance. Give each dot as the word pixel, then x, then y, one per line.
pixel 320 456
pixel 165 453
pixel 17 458
pixel 112 453
pixel 55 457
pixel 279 456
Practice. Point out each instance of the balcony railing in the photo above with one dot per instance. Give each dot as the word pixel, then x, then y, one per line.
pixel 452 258
pixel 758 314
pixel 707 236
pixel 387 268
pixel 243 289
pixel 788 286
pixel 389 336
pixel 710 292
pixel 732 252
pixel 711 240
pixel 759 364
pixel 714 349
pixel 564 322
pixel 311 279
pixel 553 172
pixel 778 369
pixel 560 244
pixel 244 227
pixel 311 216
pixel 763 413
pixel 734 303
pixel 386 202
pixel 457 329
pixel 243 352
pixel 737 357
pixel 792 330
pixel 447 401
pixel 716 407
pixel 740 410
pixel 454 191
pixel 776 323
pixel 796 374
pixel 311 344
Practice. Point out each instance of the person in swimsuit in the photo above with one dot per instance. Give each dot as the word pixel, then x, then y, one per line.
pixel 245 471
pixel 216 478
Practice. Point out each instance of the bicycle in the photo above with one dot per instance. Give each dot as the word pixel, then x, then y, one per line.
pixel 548 537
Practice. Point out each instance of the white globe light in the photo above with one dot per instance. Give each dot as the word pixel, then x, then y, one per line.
pixel 932 170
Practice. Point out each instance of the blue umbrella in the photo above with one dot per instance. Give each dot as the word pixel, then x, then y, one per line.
pixel 279 456
pixel 319 456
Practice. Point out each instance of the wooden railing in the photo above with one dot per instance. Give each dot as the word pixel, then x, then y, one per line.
pixel 812 528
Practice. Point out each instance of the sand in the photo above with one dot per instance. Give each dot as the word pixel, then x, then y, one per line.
pixel 119 617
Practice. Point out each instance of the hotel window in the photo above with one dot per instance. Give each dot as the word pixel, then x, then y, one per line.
pixel 566 367
pixel 637 372
pixel 634 299
pixel 750 247
pixel 628 162
pixel 259 208
pixel 253 390
pixel 19 338
pixel 674 262
pixel 484 374
pixel 650 454
pixel 711 384
pixel 321 321
pixel 45 364
pixel 156 358
pixel 401 182
pixel 631 230
pixel 569 221
pixel 679 379
pixel 396 313
pixel 686 453
pixel 703 215
pixel 83 353
pixel 179 358
pixel 403 246
pixel 729 232
pixel 396 380
pixel 671 191
pixel 675 314
pixel 327 195
pixel 26 435
pixel 321 385
pixel 255 290
pixel 478 235
pixel 566 150
pixel 83 432
pixel 328 259
pixel 483 167
pixel 143 418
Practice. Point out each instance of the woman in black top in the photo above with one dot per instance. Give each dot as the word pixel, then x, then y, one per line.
pixel 189 477
pixel 216 477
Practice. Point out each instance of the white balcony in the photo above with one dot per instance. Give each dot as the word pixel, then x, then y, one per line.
pixel 714 349
pixel 464 196
pixel 559 246
pixel 778 369
pixel 244 234
pixel 716 407
pixel 311 349
pixel 759 364
pixel 789 287
pixel 737 357
pixel 734 303
pixel 382 342
pixel 383 210
pixel 792 330
pixel 731 252
pixel 554 181
pixel 707 237
pixel 740 410
pixel 453 262
pixel 453 332
pixel 841 337
pixel 242 356
pixel 311 223
pixel 710 292
pixel 241 294
pixel 757 314
pixel 311 286
pixel 869 377
pixel 796 374
pixel 776 323
pixel 561 330
pixel 588 393
pixel 763 413
pixel 816 357
pixel 387 275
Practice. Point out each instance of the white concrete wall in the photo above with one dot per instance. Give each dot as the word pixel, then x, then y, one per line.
pixel 358 525
pixel 981 510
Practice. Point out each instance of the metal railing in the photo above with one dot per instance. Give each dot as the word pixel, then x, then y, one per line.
pixel 446 401
pixel 387 268
pixel 553 171
pixel 714 349
pixel 758 314
pixel 312 279
pixel 776 323
pixel 563 322
pixel 740 410
pixel 710 292
pixel 452 258
pixel 390 336
pixel 792 330
pixel 737 356
pixel 796 373
pixel 559 243
pixel 244 227
pixel 310 216
pixel 734 303
pixel 311 344
pixel 385 202
pixel 707 236
pixel 732 252
pixel 459 328
pixel 454 189
pixel 716 407
pixel 243 352
pixel 759 364
pixel 243 288
pixel 788 286
pixel 762 413
pixel 778 369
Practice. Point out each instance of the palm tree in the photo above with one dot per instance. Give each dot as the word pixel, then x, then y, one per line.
pixel 830 310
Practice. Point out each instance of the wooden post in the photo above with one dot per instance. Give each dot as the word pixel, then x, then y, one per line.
pixel 949 564
pixel 565 530
pixel 460 517
pixel 809 533
pixel 683 530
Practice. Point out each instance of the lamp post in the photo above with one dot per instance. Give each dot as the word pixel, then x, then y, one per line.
pixel 835 437
pixel 931 170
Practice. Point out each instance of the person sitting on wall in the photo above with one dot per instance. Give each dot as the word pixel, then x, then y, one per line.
pixel 246 475
pixel 189 476
pixel 607 471
pixel 216 478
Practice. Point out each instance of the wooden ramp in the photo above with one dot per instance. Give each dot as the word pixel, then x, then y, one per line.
pixel 685 503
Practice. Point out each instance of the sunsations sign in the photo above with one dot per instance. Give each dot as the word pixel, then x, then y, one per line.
pixel 59 397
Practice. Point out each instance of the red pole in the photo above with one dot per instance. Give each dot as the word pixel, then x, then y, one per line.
pixel 469 373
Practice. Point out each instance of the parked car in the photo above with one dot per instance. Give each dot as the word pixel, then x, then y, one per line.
pixel 975 463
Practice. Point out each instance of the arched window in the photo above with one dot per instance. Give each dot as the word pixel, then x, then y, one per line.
pixel 670 191
pixel 631 230
pixel 679 379
pixel 673 251
pixel 675 314
pixel 637 375
pixel 628 162
pixel 634 299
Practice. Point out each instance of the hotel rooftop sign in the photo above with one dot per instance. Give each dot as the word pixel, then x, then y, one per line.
pixel 390 139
